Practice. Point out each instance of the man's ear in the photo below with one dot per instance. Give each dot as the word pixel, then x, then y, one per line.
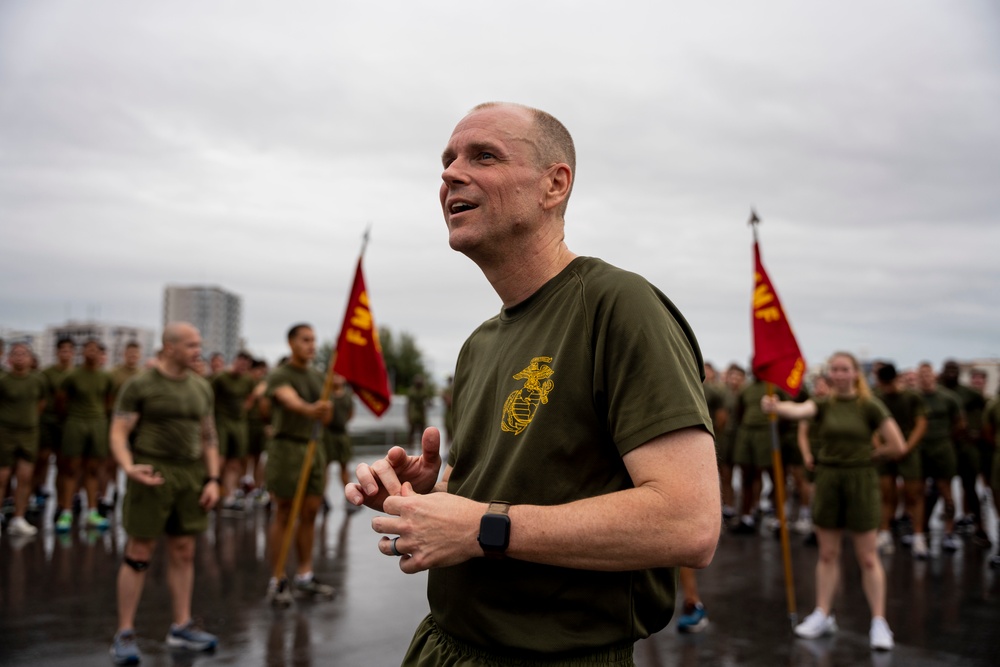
pixel 559 180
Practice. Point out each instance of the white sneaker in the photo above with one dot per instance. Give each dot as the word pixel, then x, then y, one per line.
pixel 883 542
pixel 880 636
pixel 803 526
pixel 18 526
pixel 816 625
pixel 919 547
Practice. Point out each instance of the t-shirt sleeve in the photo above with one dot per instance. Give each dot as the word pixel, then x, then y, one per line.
pixel 877 413
pixel 647 365
pixel 130 397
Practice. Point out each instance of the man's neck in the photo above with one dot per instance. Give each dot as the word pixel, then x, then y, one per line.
pixel 301 364
pixel 172 369
pixel 515 278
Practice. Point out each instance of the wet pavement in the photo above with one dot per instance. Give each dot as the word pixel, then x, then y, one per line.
pixel 57 604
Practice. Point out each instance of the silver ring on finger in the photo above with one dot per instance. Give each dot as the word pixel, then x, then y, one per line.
pixel 392 546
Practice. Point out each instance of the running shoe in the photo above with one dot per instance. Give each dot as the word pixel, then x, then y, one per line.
pixel 65 522
pixel 694 618
pixel 919 546
pixel 95 520
pixel 313 587
pixel 950 543
pixel 191 637
pixel 728 512
pixel 803 526
pixel 19 526
pixel 995 562
pixel 880 636
pixel 981 539
pixel 279 594
pixel 745 526
pixel 816 625
pixel 883 542
pixel 124 650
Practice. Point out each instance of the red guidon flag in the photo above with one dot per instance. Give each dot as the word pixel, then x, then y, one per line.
pixel 359 353
pixel 776 356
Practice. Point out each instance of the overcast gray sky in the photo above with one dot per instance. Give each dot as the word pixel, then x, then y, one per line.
pixel 248 144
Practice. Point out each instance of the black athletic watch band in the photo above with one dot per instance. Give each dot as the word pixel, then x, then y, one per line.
pixel 209 480
pixel 494 529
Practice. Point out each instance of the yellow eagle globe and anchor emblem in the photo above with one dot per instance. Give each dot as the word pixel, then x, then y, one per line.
pixel 519 408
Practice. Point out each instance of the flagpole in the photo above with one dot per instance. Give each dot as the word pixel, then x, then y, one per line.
pixel 779 499
pixel 307 461
pixel 779 482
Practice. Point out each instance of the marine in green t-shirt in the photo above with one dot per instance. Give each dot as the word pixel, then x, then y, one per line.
pixel 22 396
pixel 939 460
pixel 173 477
pixel 85 395
pixel 232 390
pixel 298 415
pixel 571 406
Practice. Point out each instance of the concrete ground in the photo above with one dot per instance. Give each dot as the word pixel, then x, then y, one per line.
pixel 57 604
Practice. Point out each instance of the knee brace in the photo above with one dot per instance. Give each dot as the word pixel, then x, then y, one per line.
pixel 137 565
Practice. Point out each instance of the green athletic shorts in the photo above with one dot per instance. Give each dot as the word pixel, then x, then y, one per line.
pixel 256 438
pixel 846 498
pixel 938 459
pixel 337 447
pixel 432 647
pixel 234 438
pixel 50 433
pixel 85 438
pixel 172 508
pixel 17 444
pixel 753 447
pixel 284 466
pixel 910 467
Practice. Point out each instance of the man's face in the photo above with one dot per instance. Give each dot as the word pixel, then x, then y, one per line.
pixel 925 378
pixel 492 188
pixel 65 353
pixel 132 355
pixel 949 374
pixel 92 354
pixel 186 350
pixel 735 379
pixel 978 382
pixel 19 358
pixel 217 363
pixel 303 344
pixel 240 365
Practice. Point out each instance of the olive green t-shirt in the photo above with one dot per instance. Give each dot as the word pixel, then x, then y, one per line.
pixel 308 384
pixel 343 409
pixel 549 396
pixel 748 404
pixel 119 376
pixel 905 407
pixel 845 427
pixel 54 377
pixel 972 403
pixel 170 413
pixel 87 393
pixel 991 419
pixel 943 412
pixel 231 392
pixel 19 399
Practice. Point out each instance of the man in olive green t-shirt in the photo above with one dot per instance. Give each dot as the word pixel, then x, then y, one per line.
pixel 120 374
pixel 939 459
pixel 22 396
pixel 85 395
pixel 51 424
pixel 173 481
pixel 297 415
pixel 232 395
pixel 583 470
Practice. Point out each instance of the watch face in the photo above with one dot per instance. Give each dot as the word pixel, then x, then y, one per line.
pixel 494 531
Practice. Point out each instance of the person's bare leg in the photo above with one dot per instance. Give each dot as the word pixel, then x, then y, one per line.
pixel 131 581
pixel 180 575
pixel 827 567
pixel 306 533
pixel 872 575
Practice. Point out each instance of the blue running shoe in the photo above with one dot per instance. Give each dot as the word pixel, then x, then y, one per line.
pixel 694 618
pixel 124 650
pixel 191 637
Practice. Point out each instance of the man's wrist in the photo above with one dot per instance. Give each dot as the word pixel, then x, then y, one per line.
pixel 213 478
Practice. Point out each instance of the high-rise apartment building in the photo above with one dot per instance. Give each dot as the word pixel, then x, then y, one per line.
pixel 216 312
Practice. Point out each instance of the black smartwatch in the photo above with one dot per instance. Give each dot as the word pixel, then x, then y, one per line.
pixel 494 529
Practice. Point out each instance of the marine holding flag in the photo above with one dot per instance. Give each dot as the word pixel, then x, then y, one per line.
pixel 776 356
